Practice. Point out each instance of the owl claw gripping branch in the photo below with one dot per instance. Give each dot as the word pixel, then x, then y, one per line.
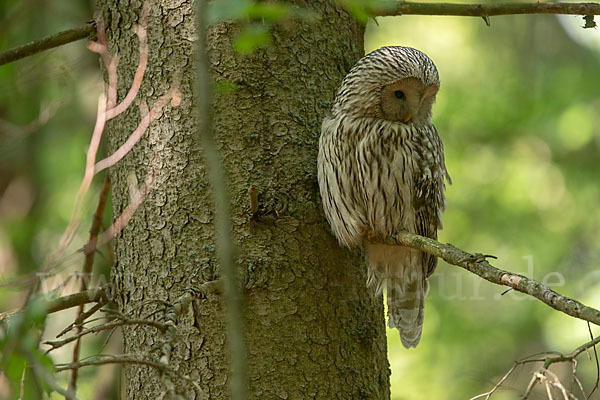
pixel 381 169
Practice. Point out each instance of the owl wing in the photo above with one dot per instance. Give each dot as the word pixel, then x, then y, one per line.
pixel 425 228
pixel 430 200
pixel 338 181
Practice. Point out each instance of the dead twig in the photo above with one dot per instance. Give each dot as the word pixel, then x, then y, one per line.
pixel 543 374
pixel 597 364
pixel 54 344
pixel 129 359
pixel 50 42
pixel 87 270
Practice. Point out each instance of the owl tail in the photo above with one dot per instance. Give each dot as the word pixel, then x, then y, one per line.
pixel 402 270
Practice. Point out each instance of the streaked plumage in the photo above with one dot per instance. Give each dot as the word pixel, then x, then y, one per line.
pixel 381 169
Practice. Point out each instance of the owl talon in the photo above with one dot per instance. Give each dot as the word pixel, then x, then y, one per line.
pixel 477 258
pixel 202 290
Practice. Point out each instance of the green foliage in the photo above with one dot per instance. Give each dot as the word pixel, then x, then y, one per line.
pixel 41 165
pixel 519 114
pixel 360 9
pixel 251 37
pixel 19 346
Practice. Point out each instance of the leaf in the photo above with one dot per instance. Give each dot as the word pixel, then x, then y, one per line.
pixel 270 12
pixel 225 86
pixel 252 37
pixel 15 366
pixel 358 8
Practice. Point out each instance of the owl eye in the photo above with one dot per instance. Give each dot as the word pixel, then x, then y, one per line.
pixel 399 94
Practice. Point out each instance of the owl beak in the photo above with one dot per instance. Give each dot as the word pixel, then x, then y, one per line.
pixel 408 117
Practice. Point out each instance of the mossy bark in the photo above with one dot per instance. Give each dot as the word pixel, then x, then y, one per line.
pixel 313 330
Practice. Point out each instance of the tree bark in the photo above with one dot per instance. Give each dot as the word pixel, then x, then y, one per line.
pixel 313 330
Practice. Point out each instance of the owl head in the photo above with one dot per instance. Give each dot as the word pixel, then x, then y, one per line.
pixel 393 83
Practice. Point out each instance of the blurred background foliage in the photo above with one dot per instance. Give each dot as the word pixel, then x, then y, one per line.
pixel 47 112
pixel 519 113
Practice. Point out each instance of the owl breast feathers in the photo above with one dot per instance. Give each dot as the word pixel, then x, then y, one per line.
pixel 381 170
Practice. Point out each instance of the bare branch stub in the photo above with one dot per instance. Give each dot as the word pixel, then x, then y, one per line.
pixel 589 22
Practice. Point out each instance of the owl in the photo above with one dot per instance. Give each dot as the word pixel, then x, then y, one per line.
pixel 381 170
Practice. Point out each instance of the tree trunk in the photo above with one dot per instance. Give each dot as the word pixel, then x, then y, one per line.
pixel 313 330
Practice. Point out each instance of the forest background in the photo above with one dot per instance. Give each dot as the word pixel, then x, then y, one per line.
pixel 519 113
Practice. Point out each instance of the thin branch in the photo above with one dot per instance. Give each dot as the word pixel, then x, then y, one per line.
pixel 50 42
pixel 87 270
pixel 98 328
pixel 391 8
pixel 85 184
pixel 576 379
pixel 76 299
pixel 119 359
pixel 597 364
pixel 478 265
pixel 19 132
pixel 22 392
pixel 110 62
pixel 95 295
pixel 571 356
pixel 129 359
pixel 531 384
pixel 497 385
pixel 224 240
pixel 540 374
pixel 81 319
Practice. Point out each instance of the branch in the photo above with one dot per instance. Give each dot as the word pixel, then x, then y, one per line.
pixel 540 375
pixel 87 270
pixel 76 299
pixel 98 328
pixel 573 355
pixel 129 359
pixel 477 264
pixel 119 359
pixel 58 39
pixel 391 8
